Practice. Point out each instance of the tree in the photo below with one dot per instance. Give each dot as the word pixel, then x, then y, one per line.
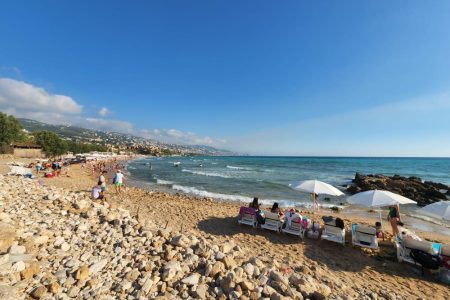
pixel 10 131
pixel 77 147
pixel 51 143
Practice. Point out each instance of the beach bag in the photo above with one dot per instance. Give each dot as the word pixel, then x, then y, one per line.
pixel 114 180
pixel 340 223
pixel 259 218
pixel 427 260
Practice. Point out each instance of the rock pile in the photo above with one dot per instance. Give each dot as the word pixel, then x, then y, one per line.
pixel 58 244
pixel 424 192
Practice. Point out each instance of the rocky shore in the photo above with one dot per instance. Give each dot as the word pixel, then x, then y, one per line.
pixel 424 192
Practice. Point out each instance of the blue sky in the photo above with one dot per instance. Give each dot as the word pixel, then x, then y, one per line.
pixel 261 77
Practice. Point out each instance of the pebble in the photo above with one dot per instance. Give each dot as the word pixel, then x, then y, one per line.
pixel 86 250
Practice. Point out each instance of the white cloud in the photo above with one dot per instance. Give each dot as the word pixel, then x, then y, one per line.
pixel 180 137
pixel 413 127
pixel 28 101
pixel 104 111
pixel 24 97
pixel 109 125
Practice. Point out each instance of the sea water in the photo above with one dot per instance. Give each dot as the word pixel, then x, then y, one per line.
pixel 241 178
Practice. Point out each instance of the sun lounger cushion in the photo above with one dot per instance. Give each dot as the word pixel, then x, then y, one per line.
pixel 419 245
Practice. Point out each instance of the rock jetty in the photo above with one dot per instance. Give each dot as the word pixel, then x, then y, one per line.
pixel 424 192
pixel 58 244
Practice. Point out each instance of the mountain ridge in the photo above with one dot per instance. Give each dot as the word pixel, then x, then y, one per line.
pixel 117 139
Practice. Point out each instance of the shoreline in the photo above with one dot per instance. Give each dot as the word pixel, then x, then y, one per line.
pixel 343 270
pixel 416 222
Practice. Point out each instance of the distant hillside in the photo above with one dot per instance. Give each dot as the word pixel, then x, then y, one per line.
pixel 120 140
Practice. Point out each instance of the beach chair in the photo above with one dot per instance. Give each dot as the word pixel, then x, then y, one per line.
pixel 333 233
pixel 295 228
pixel 247 216
pixel 406 244
pixel 272 222
pixel 364 236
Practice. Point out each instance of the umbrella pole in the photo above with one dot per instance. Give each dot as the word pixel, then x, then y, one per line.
pixel 381 221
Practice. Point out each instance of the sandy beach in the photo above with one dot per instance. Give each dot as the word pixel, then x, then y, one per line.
pixel 349 272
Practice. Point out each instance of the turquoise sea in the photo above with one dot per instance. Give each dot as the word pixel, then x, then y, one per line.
pixel 241 178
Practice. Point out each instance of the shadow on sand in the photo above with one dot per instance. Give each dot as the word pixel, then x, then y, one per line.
pixel 334 256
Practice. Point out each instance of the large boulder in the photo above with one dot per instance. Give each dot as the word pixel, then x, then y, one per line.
pixel 411 187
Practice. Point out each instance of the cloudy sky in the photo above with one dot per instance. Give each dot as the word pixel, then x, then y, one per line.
pixel 291 78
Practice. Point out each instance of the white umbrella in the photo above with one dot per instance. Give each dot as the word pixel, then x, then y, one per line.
pixel 316 186
pixel 440 210
pixel 378 198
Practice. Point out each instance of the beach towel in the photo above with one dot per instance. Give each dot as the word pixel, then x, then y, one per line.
pixel 292 217
pixel 426 259
pixel 247 210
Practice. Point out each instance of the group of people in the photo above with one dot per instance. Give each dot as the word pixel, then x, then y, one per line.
pixel 49 168
pixel 98 191
pixel 394 217
pixel 259 213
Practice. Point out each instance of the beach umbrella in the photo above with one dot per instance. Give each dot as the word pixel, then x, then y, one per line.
pixel 316 187
pixel 439 210
pixel 378 198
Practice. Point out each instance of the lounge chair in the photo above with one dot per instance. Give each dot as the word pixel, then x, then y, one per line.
pixel 247 216
pixel 272 222
pixel 406 243
pixel 364 236
pixel 333 233
pixel 295 228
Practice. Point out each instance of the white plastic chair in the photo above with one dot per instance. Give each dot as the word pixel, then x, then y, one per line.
pixel 272 222
pixel 364 236
pixel 333 234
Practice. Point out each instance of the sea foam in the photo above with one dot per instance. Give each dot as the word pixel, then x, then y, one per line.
pixel 212 174
pixel 239 198
pixel 164 182
pixel 238 168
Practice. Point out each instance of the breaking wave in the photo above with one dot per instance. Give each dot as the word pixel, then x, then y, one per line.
pixel 211 174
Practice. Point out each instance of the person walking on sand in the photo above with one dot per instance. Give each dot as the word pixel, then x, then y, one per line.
pixel 315 201
pixel 394 218
pixel 118 181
